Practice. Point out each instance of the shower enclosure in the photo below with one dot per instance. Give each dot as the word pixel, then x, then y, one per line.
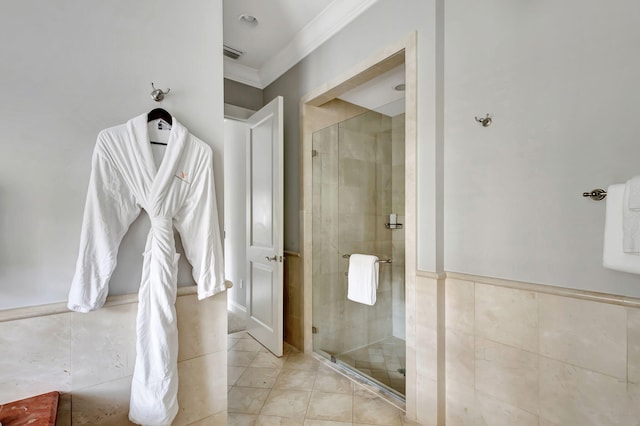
pixel 358 184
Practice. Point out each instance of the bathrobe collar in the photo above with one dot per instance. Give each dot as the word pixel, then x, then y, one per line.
pixel 157 180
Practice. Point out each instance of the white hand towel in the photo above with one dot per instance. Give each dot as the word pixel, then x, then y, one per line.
pixel 630 224
pixel 633 189
pixel 363 279
pixel 613 255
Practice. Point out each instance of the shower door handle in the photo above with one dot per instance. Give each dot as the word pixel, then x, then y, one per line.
pixel 270 259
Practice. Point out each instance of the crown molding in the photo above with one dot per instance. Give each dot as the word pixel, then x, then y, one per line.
pixel 331 20
pixel 242 73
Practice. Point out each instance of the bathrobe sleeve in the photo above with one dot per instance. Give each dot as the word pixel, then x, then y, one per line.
pixel 197 223
pixel 109 210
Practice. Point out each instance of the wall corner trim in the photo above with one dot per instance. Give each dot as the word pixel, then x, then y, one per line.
pixel 432 275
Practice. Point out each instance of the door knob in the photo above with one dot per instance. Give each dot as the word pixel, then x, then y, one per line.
pixel 269 259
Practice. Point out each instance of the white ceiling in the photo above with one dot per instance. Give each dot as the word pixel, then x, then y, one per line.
pixel 286 32
pixel 379 94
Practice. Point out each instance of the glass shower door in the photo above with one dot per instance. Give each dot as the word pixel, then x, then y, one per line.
pixel 353 176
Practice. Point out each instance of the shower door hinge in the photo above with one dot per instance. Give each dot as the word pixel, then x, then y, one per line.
pixel 314 153
pixel 314 330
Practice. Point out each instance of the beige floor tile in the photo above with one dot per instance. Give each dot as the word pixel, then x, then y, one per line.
pixel 296 390
pixel 267 359
pixel 370 409
pixel 296 379
pixel 248 345
pixel 231 342
pixel 240 335
pixel 236 419
pixel 278 421
pixel 330 406
pixel 233 374
pixel 258 377
pixel 286 403
pixel 246 400
pixel 215 420
pixel 288 349
pixel 330 381
pixel 241 358
pixel 380 361
pixel 301 361
pixel 407 422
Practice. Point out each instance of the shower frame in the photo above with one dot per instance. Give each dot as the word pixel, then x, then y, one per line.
pixel 321 108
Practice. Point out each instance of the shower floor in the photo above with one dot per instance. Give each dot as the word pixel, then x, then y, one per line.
pixel 385 361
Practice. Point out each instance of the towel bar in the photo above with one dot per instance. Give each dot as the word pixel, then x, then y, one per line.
pixel 346 256
pixel 595 194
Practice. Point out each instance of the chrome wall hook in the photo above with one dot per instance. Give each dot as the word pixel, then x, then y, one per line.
pixel 486 121
pixel 157 94
pixel 595 194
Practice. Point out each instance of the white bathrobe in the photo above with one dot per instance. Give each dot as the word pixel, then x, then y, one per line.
pixel 124 180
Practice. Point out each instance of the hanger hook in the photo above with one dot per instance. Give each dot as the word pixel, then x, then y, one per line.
pixel 486 121
pixel 157 94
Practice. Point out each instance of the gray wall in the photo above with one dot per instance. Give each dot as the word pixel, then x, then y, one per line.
pixel 560 80
pixel 386 22
pixel 69 69
pixel 241 95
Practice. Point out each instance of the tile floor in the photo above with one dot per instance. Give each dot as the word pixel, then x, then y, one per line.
pixel 235 322
pixel 384 361
pixel 297 390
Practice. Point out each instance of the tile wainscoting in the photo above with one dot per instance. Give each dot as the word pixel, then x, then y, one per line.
pixel 89 358
pixel 527 354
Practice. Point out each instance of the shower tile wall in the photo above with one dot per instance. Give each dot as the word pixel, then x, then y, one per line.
pixel 352 189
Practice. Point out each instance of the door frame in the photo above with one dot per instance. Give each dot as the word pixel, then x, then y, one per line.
pixel 238 115
pixel 316 114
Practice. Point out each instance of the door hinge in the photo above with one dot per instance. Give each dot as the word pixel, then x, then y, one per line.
pixel 314 330
pixel 314 153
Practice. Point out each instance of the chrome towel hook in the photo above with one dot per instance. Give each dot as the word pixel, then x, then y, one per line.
pixel 595 194
pixel 157 94
pixel 486 121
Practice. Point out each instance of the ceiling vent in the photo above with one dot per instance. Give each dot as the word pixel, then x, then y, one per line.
pixel 230 52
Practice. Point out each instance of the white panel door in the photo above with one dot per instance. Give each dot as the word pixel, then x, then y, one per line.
pixel 265 226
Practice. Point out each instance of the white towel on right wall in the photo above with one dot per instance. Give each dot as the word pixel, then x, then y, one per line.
pixel 363 279
pixel 614 256
pixel 633 193
pixel 630 221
